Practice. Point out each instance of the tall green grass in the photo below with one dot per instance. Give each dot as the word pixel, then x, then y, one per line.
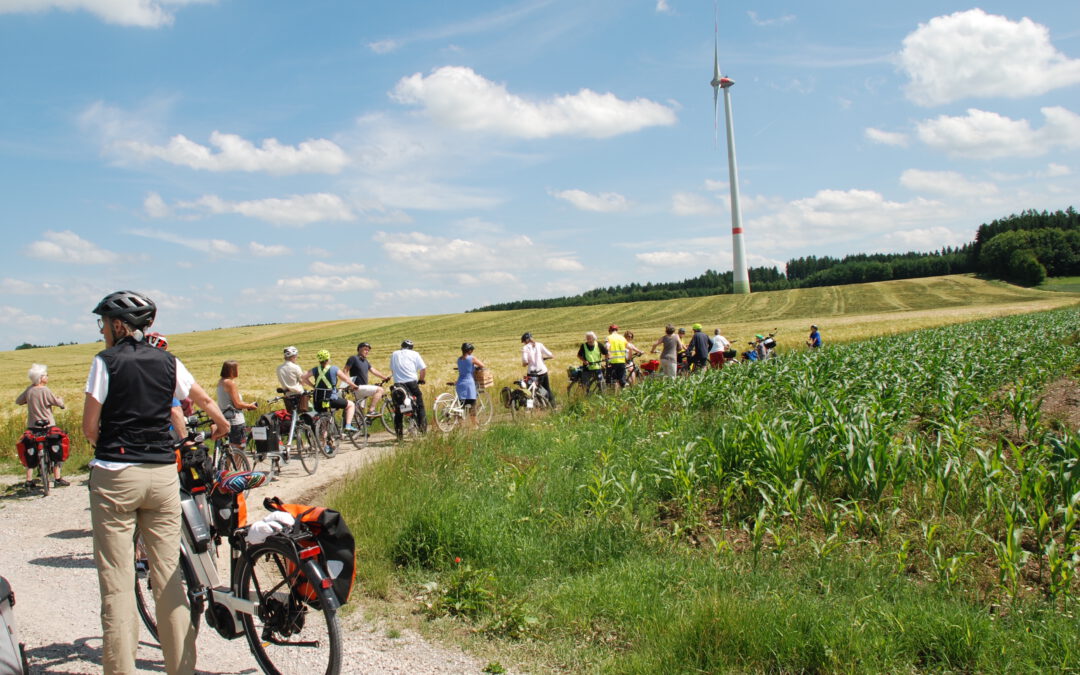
pixel 893 505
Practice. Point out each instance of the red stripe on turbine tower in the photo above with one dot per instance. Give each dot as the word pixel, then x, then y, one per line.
pixel 736 230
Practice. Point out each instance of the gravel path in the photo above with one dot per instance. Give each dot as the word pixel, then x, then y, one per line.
pixel 46 554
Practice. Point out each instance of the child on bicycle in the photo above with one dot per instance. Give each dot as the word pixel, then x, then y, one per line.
pixel 39 402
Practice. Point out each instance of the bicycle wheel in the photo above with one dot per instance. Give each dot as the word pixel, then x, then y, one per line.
pixel 485 409
pixel 306 448
pixel 594 386
pixel 386 414
pixel 287 635
pixel 325 441
pixel 411 426
pixel 144 589
pixel 358 438
pixel 45 470
pixel 445 418
pixel 232 459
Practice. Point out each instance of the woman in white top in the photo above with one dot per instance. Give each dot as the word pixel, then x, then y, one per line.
pixel 231 403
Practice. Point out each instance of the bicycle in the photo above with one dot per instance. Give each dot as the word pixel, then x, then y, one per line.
pixel 403 400
pixel 227 457
pixel 330 433
pixel 279 593
pixel 48 449
pixel 529 396
pixel 300 441
pixel 449 410
pixel 587 381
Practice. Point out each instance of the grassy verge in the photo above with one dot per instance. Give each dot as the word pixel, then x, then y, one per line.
pixel 892 505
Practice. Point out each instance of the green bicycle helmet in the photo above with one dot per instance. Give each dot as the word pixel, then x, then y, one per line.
pixel 323 355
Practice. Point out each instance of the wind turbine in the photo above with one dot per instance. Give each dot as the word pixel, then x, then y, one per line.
pixel 739 276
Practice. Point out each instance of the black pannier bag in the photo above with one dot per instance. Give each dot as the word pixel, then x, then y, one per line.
pixel 265 433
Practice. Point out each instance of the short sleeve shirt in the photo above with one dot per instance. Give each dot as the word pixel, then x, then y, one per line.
pixel 405 365
pixel 358 369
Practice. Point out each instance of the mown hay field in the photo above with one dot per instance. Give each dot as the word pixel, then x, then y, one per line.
pixel 844 313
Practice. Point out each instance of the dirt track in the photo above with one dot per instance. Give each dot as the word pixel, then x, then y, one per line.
pixel 46 554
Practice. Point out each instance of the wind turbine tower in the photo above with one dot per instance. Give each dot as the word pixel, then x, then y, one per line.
pixel 739 276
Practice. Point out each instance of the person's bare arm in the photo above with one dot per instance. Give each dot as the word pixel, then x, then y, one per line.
pixel 478 363
pixel 200 398
pixel 91 419
pixel 234 396
pixel 179 422
pixel 421 374
pixel 378 374
pixel 306 378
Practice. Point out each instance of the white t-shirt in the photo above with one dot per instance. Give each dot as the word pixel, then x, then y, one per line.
pixel 405 365
pixel 289 374
pixel 533 355
pixel 719 344
pixel 97 385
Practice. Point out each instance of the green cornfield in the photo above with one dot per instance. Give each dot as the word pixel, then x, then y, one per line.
pixel 906 503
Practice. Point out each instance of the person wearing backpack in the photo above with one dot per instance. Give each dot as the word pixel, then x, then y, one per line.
pixel 134 482
pixel 39 402
pixel 324 379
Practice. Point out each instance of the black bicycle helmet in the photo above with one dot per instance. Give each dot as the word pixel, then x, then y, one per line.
pixel 526 337
pixel 467 347
pixel 362 345
pixel 406 344
pixel 134 309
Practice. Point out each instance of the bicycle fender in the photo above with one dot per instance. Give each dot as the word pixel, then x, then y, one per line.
pixel 318 578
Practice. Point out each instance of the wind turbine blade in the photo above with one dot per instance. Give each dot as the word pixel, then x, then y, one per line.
pixel 716 73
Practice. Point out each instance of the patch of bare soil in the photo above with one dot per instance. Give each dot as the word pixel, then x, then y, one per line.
pixel 1061 402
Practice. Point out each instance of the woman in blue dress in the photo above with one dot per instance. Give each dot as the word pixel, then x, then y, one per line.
pixel 466 381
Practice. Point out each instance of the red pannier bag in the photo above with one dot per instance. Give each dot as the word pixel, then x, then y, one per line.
pixel 333 536
pixel 27 448
pixel 651 366
pixel 58 443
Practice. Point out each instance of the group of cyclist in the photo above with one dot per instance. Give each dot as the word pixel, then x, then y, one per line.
pixel 132 405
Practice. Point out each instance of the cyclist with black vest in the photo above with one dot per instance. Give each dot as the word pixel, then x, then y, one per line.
pixel 133 480
pixel 324 379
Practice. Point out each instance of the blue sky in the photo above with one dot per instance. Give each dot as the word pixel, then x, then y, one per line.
pixel 248 161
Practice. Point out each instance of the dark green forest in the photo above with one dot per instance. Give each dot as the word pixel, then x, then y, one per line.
pixel 1025 248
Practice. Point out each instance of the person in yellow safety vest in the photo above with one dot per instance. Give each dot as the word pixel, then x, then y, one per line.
pixel 591 354
pixel 616 346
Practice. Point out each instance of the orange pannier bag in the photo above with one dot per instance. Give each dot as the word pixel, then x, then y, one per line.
pixel 334 537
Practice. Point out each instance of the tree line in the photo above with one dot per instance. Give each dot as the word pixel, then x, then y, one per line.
pixel 1024 248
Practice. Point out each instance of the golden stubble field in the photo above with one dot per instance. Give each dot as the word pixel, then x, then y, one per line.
pixel 844 313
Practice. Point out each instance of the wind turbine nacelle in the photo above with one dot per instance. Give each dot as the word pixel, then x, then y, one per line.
pixel 725 82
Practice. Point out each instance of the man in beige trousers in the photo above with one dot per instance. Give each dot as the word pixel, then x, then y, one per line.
pixel 133 481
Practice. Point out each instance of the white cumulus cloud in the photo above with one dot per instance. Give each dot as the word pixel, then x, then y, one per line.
pixel 341 269
pixel 267 250
pixel 215 247
pixel 972 53
pixel 296 210
pixel 986 135
pixel 564 265
pixel 239 154
pixel 605 202
pixel 139 13
pixel 694 204
pixel 886 137
pixel 949 183
pixel 68 247
pixel 327 284
pixel 459 98
pixel 667 258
